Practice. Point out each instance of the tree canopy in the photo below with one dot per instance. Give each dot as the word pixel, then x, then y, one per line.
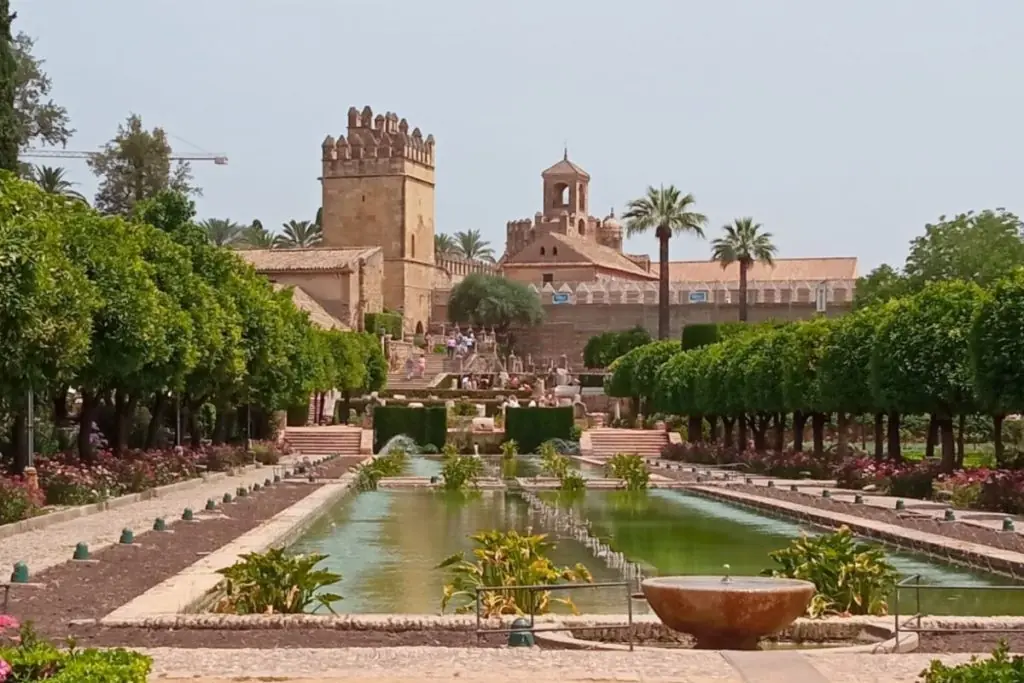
pixel 483 300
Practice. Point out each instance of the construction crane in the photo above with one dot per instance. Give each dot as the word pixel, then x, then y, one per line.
pixel 218 159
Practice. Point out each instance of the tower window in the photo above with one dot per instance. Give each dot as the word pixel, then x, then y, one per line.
pixel 583 227
pixel 542 251
pixel 548 278
pixel 554 251
pixel 414 246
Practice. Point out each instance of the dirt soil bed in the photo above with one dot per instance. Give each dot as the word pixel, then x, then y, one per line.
pixel 118 574
pixel 305 638
pixel 969 642
pixel 956 530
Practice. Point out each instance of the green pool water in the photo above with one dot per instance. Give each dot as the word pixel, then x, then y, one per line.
pixel 387 544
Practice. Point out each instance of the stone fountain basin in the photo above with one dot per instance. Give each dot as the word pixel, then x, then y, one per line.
pixel 727 615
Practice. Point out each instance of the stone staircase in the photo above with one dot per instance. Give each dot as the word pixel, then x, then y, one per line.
pixel 606 442
pixel 436 364
pixel 315 442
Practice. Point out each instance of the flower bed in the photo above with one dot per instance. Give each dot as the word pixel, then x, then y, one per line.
pixel 911 480
pixel 787 464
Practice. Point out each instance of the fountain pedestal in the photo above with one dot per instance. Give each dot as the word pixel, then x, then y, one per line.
pixel 730 613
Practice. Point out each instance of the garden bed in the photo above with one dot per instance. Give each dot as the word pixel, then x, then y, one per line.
pixel 119 573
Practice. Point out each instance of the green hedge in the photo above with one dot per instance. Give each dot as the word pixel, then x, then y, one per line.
pixel 592 381
pixel 423 425
pixel 384 323
pixel 530 427
pixel 701 334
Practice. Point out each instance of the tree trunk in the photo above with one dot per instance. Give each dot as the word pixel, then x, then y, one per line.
pixel 741 431
pixel 799 422
pixel 663 234
pixel 743 290
pixel 932 437
pixel 195 432
pixel 60 406
pixel 895 450
pixel 997 437
pixel 86 417
pixel 712 428
pixel 879 436
pixel 948 444
pixel 19 442
pixel 694 429
pixel 843 424
pixel 760 427
pixel 728 433
pixel 122 420
pixel 346 405
pixel 961 426
pixel 220 426
pixel 156 420
pixel 818 421
pixel 780 432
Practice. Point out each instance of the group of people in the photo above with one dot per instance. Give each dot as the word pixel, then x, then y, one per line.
pixel 459 345
pixel 415 366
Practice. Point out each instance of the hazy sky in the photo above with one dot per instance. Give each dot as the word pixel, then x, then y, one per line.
pixel 843 127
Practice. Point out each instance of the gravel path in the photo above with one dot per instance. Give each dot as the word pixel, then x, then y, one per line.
pixel 407 663
pixel 53 545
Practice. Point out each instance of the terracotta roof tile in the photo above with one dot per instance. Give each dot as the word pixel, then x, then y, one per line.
pixel 565 167
pixel 589 251
pixel 315 258
pixel 829 268
pixel 317 314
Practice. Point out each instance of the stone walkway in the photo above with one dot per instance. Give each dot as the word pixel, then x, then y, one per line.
pixel 499 665
pixel 53 545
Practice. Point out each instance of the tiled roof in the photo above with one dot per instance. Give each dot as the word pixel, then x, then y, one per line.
pixel 811 269
pixel 589 251
pixel 314 258
pixel 565 167
pixel 317 314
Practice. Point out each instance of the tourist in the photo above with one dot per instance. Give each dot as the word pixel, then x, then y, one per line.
pixel 409 368
pixel 422 366
pixel 450 344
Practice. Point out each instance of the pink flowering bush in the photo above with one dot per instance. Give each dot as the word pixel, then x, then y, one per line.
pixel 17 500
pixel 910 480
pixel 788 464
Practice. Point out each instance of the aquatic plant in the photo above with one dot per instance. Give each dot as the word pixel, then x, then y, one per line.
pixel 276 582
pixel 630 468
pixel 507 559
pixel 460 471
pixel 850 577
pixel 572 481
pixel 553 463
pixel 390 464
pixel 509 449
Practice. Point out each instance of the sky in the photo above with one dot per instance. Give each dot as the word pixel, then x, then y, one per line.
pixel 842 127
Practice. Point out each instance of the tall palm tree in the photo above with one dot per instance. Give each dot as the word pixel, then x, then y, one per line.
pixel 469 244
pixel 223 232
pixel 668 212
pixel 54 181
pixel 300 234
pixel 257 237
pixel 745 243
pixel 444 244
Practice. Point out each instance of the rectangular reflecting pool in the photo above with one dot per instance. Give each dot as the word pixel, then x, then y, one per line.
pixel 388 543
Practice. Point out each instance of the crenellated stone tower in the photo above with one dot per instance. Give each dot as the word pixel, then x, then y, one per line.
pixel 378 190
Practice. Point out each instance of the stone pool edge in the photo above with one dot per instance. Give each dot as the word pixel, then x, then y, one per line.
pixel 192 587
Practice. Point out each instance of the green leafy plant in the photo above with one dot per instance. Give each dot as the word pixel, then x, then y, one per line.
pixel 390 464
pixel 460 471
pixel 1000 668
pixel 507 558
pixel 553 463
pixel 630 468
pixel 33 659
pixel 276 582
pixel 509 449
pixel 850 577
pixel 572 481
pixel 464 409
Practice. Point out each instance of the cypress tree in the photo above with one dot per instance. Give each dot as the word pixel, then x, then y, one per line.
pixel 9 133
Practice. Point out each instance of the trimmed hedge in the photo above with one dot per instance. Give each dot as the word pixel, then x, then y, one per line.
pixel 700 334
pixel 384 323
pixel 530 427
pixel 592 381
pixel 422 425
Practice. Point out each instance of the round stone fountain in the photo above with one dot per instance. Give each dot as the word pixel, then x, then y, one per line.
pixel 730 613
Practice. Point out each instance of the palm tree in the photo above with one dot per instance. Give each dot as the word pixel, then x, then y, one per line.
pixel 300 234
pixel 223 232
pixel 444 245
pixel 54 181
pixel 469 244
pixel 668 212
pixel 743 243
pixel 257 237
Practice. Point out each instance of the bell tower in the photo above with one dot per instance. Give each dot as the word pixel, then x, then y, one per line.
pixel 566 190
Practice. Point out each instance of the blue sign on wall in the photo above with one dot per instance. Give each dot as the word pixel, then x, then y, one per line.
pixel 700 297
pixel 560 298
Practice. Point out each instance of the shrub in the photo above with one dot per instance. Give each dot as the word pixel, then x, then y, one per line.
pixel 530 427
pixel 33 659
pixel 464 409
pixel 17 501
pixel 553 463
pixel 460 471
pixel 509 449
pixel 422 425
pixel 507 558
pixel 788 464
pixel 631 468
pixel 275 582
pixel 572 481
pixel 850 577
pixel 563 446
pixel 1000 667
pixel 699 334
pixel 697 453
pixel 266 453
pixel 390 464
pixel 384 323
pixel 1002 491
pixel 913 480
pixel 604 348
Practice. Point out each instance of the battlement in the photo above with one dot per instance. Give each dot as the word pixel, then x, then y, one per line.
pixel 382 137
pixel 775 292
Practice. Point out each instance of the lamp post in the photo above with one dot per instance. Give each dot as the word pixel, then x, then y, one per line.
pixel 30 437
pixel 177 420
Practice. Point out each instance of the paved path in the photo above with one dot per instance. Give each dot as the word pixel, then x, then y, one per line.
pixel 403 664
pixel 53 545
